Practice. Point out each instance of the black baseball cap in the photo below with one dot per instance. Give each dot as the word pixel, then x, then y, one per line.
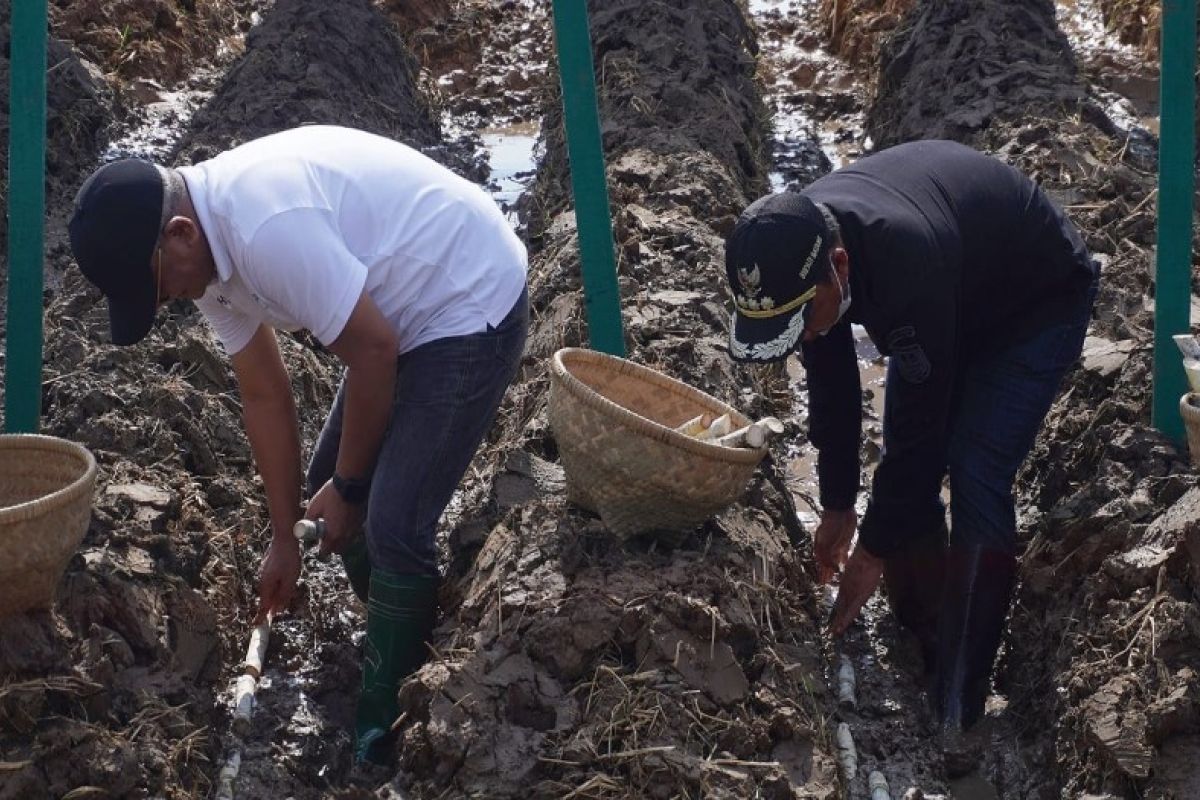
pixel 114 227
pixel 774 259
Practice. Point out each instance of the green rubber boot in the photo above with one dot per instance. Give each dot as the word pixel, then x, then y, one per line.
pixel 401 613
pixel 357 562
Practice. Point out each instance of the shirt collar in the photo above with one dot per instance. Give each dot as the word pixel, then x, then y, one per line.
pixel 197 184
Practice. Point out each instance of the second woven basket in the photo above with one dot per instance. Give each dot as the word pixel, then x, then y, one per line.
pixel 46 488
pixel 614 424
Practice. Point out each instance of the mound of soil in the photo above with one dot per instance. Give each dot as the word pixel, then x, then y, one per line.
pixel 315 63
pixel 1136 22
pixel 486 60
pixel 572 662
pixel 951 68
pixel 662 94
pixel 161 41
pixel 856 27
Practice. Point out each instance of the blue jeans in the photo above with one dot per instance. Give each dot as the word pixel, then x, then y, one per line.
pixel 447 393
pixel 1001 405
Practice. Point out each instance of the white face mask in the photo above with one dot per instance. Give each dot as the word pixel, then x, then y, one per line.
pixel 844 303
pixel 843 306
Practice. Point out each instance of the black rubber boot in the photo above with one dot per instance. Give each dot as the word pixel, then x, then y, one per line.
pixel 914 580
pixel 979 586
pixel 400 619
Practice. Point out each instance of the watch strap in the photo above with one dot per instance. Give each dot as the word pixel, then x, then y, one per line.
pixel 352 490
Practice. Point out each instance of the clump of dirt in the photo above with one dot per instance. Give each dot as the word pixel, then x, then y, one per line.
pixel 485 60
pixel 857 27
pixel 950 69
pixel 569 661
pixel 1102 663
pixel 1136 22
pixel 665 97
pixel 161 41
pixel 310 62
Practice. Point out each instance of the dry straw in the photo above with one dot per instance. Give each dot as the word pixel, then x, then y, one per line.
pixel 45 504
pixel 614 420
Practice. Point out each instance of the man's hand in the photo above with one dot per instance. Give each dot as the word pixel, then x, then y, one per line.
pixel 831 543
pixel 277 577
pixel 859 581
pixel 342 519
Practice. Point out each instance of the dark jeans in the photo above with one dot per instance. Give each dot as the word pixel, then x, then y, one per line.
pixel 1002 403
pixel 447 392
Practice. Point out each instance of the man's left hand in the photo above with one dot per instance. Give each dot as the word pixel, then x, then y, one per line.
pixel 342 519
pixel 859 581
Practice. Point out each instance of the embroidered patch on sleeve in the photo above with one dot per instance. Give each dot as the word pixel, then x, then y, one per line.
pixel 910 358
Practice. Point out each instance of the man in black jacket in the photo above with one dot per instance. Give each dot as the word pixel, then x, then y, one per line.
pixel 979 290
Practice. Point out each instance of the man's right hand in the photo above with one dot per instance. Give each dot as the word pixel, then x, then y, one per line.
pixel 831 545
pixel 277 577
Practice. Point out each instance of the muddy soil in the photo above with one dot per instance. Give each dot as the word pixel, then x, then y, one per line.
pixel 569 662
pixel 814 93
pixel 484 72
pixel 312 63
pixel 1136 22
pixel 855 27
pixel 1014 56
pixel 486 60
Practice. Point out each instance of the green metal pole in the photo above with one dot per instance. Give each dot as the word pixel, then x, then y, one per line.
pixel 1176 182
pixel 26 208
pixel 586 152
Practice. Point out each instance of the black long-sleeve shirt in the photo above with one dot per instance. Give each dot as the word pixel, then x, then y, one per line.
pixel 952 254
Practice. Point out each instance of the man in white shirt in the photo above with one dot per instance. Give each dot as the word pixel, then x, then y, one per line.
pixel 408 273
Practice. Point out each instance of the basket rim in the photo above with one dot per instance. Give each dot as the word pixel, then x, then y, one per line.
pixel 22 512
pixel 1189 407
pixel 645 425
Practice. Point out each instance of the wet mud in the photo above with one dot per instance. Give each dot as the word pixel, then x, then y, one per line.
pixel 568 662
pixel 1013 54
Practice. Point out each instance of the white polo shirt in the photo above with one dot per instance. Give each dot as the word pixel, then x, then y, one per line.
pixel 301 222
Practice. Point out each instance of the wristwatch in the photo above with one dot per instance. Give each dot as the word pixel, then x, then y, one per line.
pixel 352 490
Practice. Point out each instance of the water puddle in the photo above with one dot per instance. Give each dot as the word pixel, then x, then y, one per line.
pixel 972 787
pixel 512 154
pixel 1123 79
pixel 1083 23
pixel 814 98
pixel 165 116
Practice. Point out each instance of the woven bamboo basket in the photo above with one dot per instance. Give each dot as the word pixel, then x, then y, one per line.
pixel 1189 409
pixel 45 504
pixel 613 421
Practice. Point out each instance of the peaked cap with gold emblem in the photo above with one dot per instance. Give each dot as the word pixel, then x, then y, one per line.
pixel 774 258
